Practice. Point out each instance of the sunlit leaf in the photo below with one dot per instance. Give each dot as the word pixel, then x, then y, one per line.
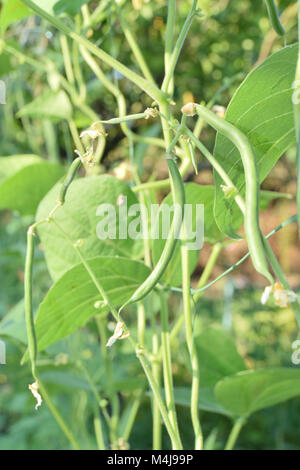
pixel 249 391
pixel 262 108
pixel 78 218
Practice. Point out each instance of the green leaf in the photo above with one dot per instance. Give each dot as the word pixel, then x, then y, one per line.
pixel 6 65
pixel 13 325
pixel 262 108
pixel 58 7
pixel 77 217
pixel 69 304
pixel 253 390
pixel 53 105
pixel 12 11
pixel 24 181
pixel 65 6
pixel 218 356
pixel 195 194
pixel 207 400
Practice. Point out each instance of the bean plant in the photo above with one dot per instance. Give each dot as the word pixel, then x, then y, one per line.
pixel 122 289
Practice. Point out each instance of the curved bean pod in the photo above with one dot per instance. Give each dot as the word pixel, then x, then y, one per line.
pixel 274 17
pixel 68 180
pixel 158 271
pixel 252 229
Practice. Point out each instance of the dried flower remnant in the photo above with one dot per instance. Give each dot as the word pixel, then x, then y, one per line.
pixel 150 112
pixel 34 390
pixel 123 171
pixel 118 334
pixel 89 137
pixel 283 297
pixel 93 132
pixel 189 109
pixel 219 111
pixel 266 294
pixel 87 158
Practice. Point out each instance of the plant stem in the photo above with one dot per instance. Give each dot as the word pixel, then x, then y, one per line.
pixel 161 184
pixel 112 420
pixel 132 415
pixel 216 165
pixel 156 371
pixel 135 48
pixel 154 386
pixel 178 46
pixel 142 83
pixel 275 230
pixel 216 250
pixel 187 306
pixel 167 362
pixel 59 419
pixel 114 90
pixel 141 324
pixel 234 433
pixel 176 443
pixel 281 277
pixel 97 419
pixel 169 42
pixel 75 136
pixel 99 431
pixel 67 59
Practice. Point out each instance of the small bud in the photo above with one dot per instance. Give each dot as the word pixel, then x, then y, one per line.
pixel 189 109
pixel 99 304
pixel 79 243
pixel 229 191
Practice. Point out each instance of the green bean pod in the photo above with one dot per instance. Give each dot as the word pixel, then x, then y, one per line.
pixel 68 180
pixel 274 17
pixel 252 229
pixel 31 336
pixel 158 271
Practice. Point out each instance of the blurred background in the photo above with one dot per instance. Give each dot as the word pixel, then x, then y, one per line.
pixel 234 38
